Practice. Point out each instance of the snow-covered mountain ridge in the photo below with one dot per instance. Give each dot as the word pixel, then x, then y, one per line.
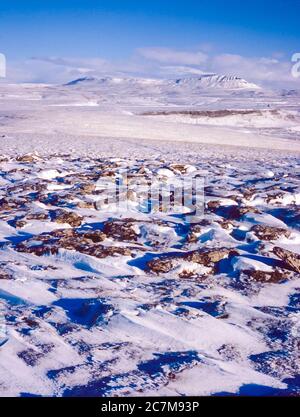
pixel 207 81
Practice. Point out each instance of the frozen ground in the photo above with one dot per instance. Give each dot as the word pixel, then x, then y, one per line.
pixel 95 302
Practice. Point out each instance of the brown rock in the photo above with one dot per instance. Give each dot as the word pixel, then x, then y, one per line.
pixel 267 277
pixel 290 259
pixel 28 158
pixel 160 265
pixel 37 216
pixel 87 243
pixel 248 193
pixel 213 205
pixel 194 230
pixel 20 223
pixel 88 188
pixel 179 168
pixel 120 230
pixel 5 275
pixel 63 216
pixel 95 236
pixel 186 274
pixel 269 232
pixel 61 233
pixel 206 257
pixel 86 204
pixel 236 212
pixel 225 224
pixel 275 197
pixel 30 322
pixel 38 250
pixel 9 204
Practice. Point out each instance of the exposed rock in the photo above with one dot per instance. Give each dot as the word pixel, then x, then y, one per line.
pixel 233 212
pixel 30 356
pixel 187 274
pixel 248 193
pixel 195 229
pixel 4 275
pixel 229 352
pixel 273 277
pixel 182 169
pixel 290 259
pixel 30 322
pixel 120 230
pixel 28 158
pixel 275 197
pixel 20 223
pixel 236 212
pixel 160 265
pixel 95 236
pixel 108 174
pixel 60 233
pixel 88 188
pixel 10 204
pixel 86 204
pixel 192 238
pixel 269 232
pixel 86 243
pixel 225 224
pixel 31 186
pixel 131 195
pixel 62 216
pixel 235 197
pixel 213 205
pixel 37 216
pixel 38 250
pixel 112 251
pixel 206 257
pixel 143 170
pixel 201 113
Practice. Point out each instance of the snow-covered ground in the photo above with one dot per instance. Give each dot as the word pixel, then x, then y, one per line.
pixel 98 302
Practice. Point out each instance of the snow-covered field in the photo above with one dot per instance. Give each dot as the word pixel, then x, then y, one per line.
pixel 95 302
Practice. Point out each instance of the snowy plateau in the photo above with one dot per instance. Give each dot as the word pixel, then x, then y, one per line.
pixel 99 302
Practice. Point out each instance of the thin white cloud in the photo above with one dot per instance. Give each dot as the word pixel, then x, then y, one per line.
pixel 173 56
pixel 156 62
pixel 92 63
pixel 180 70
pixel 259 69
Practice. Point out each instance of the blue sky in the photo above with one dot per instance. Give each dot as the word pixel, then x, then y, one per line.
pixel 154 37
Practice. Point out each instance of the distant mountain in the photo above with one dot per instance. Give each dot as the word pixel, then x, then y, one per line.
pixel 153 92
pixel 217 81
pixel 81 80
pixel 290 93
pixel 192 84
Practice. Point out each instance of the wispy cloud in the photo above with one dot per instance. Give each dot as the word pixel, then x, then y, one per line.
pixel 180 70
pixel 56 69
pixel 272 70
pixel 259 69
pixel 86 65
pixel 173 56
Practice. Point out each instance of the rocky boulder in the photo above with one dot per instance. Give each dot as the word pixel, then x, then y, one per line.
pixel 264 232
pixel 289 258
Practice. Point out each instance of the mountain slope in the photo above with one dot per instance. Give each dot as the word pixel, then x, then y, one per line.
pixel 209 81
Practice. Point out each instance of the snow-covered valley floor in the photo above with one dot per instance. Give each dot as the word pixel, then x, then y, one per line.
pixel 98 303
